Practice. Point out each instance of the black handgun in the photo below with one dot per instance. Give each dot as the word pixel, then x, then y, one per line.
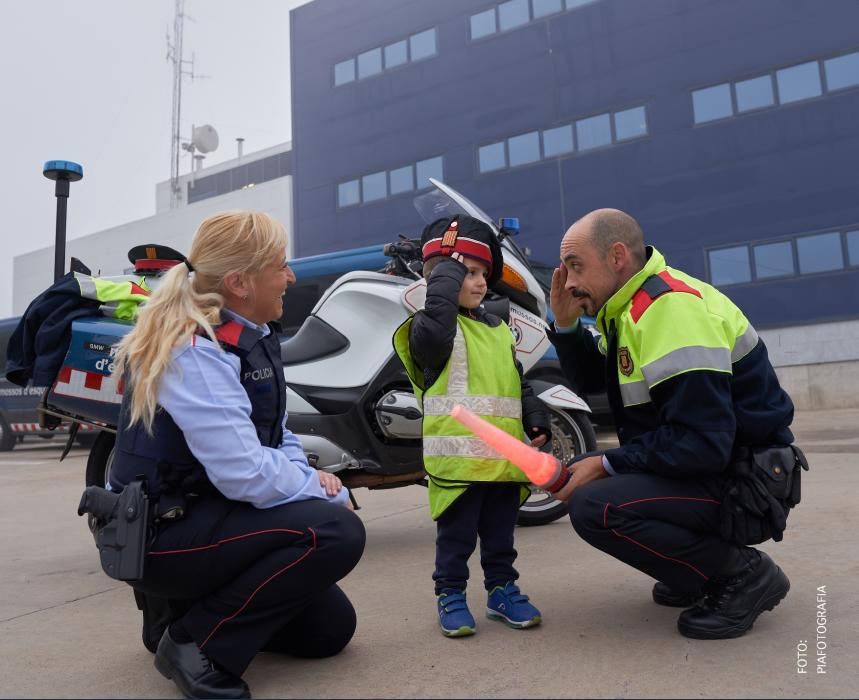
pixel 121 528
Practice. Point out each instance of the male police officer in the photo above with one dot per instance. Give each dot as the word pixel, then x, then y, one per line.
pixel 690 386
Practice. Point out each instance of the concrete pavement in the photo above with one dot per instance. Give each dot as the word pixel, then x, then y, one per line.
pixel 66 630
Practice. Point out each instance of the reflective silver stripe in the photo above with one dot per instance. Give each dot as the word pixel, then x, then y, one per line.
pixel 684 359
pixel 745 344
pixel 457 378
pixel 634 393
pixel 458 447
pixel 108 310
pixel 87 285
pixel 480 404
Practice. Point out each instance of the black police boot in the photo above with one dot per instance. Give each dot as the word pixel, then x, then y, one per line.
pixel 733 603
pixel 157 614
pixel 194 673
pixel 665 595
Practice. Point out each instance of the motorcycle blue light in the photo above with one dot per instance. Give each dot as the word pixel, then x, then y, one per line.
pixel 510 224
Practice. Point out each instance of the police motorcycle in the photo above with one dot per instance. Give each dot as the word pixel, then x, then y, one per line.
pixel 349 400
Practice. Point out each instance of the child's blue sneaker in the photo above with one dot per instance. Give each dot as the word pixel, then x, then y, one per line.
pixel 508 604
pixel 454 616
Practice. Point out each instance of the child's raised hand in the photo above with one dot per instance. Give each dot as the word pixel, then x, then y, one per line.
pixel 540 439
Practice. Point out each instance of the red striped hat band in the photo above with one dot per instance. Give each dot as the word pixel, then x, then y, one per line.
pixel 466 246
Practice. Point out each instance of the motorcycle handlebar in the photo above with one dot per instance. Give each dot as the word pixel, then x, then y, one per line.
pixel 406 250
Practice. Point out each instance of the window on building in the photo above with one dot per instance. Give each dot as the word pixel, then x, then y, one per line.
pixel 730 266
pixel 348 193
pixel 422 44
pixel 820 253
pixel 572 4
pixel 491 157
pixel 256 172
pixel 402 180
pixel 369 63
pixel 842 72
pixel 512 14
pixel 425 169
pixel 271 167
pixel 396 54
pixel 798 82
pixel 593 132
pixel 712 103
pixel 344 72
pixel 852 247
pixel 524 148
pixel 239 177
pixel 374 186
pixel 483 24
pixel 546 7
pixel 224 182
pixel 773 260
pixel 630 123
pixel 203 188
pixel 558 141
pixel 754 93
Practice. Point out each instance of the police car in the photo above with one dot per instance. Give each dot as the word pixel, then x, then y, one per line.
pixel 19 417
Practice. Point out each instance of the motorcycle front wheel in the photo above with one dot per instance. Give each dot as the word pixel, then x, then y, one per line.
pixel 100 458
pixel 572 434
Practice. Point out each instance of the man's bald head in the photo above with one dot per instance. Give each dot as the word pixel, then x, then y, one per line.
pixel 599 254
pixel 605 227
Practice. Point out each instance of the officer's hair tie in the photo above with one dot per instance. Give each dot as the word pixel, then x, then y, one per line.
pixel 189 266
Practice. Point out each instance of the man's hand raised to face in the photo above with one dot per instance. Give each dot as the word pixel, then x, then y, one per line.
pixel 565 306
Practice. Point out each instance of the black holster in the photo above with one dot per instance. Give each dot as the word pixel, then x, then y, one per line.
pixel 121 525
pixel 762 486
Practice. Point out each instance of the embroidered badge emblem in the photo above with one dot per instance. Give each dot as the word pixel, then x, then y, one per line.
pixel 624 361
pixel 449 239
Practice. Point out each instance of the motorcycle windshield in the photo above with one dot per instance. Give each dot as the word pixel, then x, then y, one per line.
pixel 444 201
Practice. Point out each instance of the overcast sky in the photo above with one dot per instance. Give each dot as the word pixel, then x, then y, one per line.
pixel 88 81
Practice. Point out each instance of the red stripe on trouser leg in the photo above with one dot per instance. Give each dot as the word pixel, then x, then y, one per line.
pixel 260 587
pixel 650 549
pixel 228 540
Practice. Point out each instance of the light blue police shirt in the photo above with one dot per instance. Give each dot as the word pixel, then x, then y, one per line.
pixel 201 391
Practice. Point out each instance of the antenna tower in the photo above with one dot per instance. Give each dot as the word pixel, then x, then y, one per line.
pixel 174 56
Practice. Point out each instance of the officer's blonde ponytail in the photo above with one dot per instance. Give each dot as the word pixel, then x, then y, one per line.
pixel 244 242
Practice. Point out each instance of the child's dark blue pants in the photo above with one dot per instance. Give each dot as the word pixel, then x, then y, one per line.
pixel 487 510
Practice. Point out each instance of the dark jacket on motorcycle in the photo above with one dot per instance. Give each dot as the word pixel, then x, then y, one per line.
pixel 434 328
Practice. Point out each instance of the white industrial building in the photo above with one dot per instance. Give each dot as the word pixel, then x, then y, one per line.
pixel 260 181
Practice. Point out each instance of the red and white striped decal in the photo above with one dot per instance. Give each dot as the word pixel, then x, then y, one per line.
pixel 87 385
pixel 36 428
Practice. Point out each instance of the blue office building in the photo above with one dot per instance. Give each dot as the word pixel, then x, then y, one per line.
pixel 728 128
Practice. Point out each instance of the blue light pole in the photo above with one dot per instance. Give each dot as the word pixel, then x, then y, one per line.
pixel 62 172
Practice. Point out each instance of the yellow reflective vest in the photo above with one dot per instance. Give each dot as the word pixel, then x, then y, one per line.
pixel 120 298
pixel 692 327
pixel 482 376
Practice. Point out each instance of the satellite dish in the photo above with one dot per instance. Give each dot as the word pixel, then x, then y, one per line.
pixel 204 138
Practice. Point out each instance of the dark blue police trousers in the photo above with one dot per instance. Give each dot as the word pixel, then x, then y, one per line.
pixel 248 579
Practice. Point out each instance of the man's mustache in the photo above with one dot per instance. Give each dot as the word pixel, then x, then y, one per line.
pixel 579 293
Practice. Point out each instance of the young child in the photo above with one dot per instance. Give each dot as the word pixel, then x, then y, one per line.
pixel 456 352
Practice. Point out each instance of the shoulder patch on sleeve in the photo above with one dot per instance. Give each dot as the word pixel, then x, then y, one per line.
pixel 229 333
pixel 653 288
